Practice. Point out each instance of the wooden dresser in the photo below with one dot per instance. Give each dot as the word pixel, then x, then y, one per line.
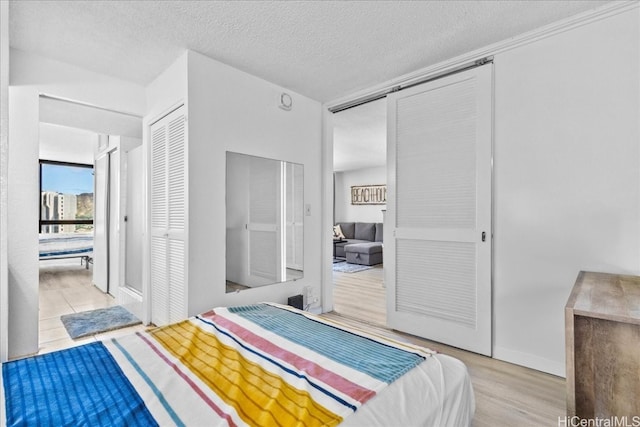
pixel 602 327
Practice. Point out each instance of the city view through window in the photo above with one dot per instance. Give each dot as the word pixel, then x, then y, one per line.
pixel 66 198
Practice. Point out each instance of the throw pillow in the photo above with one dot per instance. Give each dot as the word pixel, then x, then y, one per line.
pixel 337 232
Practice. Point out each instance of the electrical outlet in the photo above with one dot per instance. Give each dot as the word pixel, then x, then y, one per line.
pixel 306 294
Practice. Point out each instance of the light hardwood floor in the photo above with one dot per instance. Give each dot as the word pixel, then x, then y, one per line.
pixel 361 295
pixel 65 288
pixel 506 394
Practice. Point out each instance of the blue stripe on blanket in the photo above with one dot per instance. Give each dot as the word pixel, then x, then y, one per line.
pixel 78 386
pixel 67 252
pixel 381 361
pixel 151 384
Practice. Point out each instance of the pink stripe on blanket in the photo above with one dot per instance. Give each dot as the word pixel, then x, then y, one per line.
pixel 189 381
pixel 338 382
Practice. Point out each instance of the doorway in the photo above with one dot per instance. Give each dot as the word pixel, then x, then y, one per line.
pixel 71 131
pixel 66 230
pixel 359 161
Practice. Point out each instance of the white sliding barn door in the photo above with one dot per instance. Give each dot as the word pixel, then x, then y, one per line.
pixel 438 253
pixel 168 215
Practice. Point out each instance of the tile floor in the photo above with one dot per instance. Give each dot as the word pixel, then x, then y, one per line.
pixel 65 287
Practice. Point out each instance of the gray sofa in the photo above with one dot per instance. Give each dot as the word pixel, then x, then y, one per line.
pixel 363 242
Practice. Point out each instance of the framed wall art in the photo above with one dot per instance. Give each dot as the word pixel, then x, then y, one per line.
pixel 368 194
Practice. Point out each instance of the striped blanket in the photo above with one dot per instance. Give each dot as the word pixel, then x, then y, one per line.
pixel 257 365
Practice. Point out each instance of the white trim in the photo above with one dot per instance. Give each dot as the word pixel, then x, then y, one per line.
pixel 4 150
pixel 170 110
pixel 529 361
pixel 594 15
pixel 326 288
pixel 87 104
pixel 132 299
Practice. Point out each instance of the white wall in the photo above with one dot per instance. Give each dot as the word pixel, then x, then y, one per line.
pixel 232 110
pixel 167 91
pixel 229 110
pixel 567 179
pixel 23 209
pixel 66 144
pixel 345 211
pixel 70 82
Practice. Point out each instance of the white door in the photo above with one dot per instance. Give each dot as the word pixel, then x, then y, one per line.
pixel 264 228
pixel 438 254
pixel 168 272
pixel 114 222
pixel 294 215
pixel 133 220
pixel 101 224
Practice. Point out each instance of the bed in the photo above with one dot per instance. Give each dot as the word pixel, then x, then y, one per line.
pixel 263 364
pixel 67 245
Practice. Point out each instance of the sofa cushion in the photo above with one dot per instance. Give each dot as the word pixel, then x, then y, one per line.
pixel 364 259
pixel 364 248
pixel 379 233
pixel 348 229
pixel 365 231
pixel 340 246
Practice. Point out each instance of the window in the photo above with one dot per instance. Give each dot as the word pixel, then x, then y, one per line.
pixel 66 197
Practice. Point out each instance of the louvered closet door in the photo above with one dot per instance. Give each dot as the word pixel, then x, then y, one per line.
pixel 168 213
pixel 439 260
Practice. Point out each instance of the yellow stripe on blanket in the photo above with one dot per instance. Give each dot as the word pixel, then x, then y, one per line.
pixel 259 397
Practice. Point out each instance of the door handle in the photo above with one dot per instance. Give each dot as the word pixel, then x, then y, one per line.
pixel 484 236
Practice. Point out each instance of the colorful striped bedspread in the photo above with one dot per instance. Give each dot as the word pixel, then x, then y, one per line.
pixel 259 365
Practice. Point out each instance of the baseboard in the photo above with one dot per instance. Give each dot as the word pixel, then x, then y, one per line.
pixel 315 310
pixel 530 361
pixel 131 300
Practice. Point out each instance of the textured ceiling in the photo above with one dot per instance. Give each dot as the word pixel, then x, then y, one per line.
pixel 322 49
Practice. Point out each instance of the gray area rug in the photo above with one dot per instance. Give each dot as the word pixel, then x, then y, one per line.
pixel 92 322
pixel 345 267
